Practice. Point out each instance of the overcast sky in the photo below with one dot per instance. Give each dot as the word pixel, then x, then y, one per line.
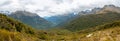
pixel 53 7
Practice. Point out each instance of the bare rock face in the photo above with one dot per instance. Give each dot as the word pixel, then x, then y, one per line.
pixel 109 8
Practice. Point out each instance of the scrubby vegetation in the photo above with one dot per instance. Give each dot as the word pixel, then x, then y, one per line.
pixel 13 30
pixel 107 30
pixel 15 36
pixel 92 20
pixel 13 25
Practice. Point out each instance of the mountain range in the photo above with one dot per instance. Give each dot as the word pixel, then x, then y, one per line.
pixel 31 19
pixel 13 30
pixel 5 12
pixel 97 24
pixel 108 13
pixel 61 19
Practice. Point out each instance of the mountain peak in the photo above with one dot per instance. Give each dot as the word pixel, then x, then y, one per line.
pixel 26 13
pixel 31 19
pixel 5 12
pixel 109 8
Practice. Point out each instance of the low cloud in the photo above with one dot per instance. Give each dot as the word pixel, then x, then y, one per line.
pixel 53 7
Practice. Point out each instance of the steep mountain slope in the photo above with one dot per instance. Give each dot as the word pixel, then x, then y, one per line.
pixel 13 25
pixel 93 20
pixel 31 19
pixel 12 30
pixel 60 20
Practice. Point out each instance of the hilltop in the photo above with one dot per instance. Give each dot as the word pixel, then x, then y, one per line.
pixel 92 20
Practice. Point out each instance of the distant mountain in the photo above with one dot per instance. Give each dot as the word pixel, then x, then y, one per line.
pixel 92 20
pixel 92 11
pixel 31 19
pixel 110 8
pixel 98 10
pixel 5 12
pixel 61 19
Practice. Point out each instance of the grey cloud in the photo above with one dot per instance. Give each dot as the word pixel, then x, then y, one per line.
pixel 58 1
pixel 5 3
pixel 46 7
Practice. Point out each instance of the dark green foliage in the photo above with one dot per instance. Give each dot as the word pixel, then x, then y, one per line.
pixel 101 27
pixel 92 20
pixel 13 25
pixel 43 36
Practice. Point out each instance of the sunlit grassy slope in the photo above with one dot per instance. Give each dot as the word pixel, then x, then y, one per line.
pixel 12 30
pixel 92 20
pixel 106 32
